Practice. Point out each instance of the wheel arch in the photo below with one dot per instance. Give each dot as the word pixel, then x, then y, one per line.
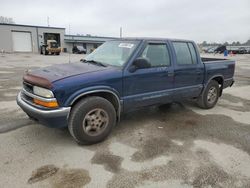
pixel 109 95
pixel 218 78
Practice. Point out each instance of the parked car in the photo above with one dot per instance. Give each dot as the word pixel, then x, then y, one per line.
pixel 220 49
pixel 79 50
pixel 122 75
pixel 248 50
pixel 211 49
pixel 241 50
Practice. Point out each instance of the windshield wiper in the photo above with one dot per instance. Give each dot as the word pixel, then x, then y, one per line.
pixel 94 62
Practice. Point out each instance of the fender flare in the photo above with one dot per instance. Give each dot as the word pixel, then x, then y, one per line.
pixel 83 92
pixel 215 76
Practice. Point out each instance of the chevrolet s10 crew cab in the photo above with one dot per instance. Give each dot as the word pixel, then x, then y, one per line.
pixel 121 75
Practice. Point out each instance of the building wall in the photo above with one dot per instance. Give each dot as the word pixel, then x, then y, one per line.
pixel 37 37
pixel 6 42
pixel 41 31
pixel 69 46
pixel 89 47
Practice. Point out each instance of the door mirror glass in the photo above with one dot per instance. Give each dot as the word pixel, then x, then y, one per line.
pixel 139 63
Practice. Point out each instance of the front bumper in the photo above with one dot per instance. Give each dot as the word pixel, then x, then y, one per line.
pixel 51 118
pixel 54 50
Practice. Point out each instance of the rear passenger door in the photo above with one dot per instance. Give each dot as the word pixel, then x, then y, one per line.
pixel 188 73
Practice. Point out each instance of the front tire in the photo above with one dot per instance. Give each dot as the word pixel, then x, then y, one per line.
pixel 209 97
pixel 91 120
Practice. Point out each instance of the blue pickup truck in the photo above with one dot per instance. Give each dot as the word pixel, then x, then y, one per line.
pixel 121 75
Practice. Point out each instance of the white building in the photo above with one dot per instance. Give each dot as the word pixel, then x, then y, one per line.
pixel 29 38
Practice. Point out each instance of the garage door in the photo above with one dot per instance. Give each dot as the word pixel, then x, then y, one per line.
pixel 21 41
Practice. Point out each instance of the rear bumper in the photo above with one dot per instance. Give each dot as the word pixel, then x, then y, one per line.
pixel 51 118
pixel 228 83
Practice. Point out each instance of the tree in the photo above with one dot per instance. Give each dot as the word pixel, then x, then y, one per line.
pixel 6 20
pixel 226 44
pixel 247 42
pixel 237 43
pixel 204 43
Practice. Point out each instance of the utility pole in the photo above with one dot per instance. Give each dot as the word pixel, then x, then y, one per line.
pixel 120 32
pixel 48 21
pixel 73 45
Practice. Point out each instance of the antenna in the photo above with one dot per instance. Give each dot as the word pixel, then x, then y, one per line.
pixel 120 32
pixel 48 21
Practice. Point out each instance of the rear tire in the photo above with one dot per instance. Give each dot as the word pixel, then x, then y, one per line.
pixel 44 51
pixel 91 120
pixel 209 97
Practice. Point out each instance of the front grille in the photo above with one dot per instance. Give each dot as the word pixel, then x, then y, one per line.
pixel 28 96
pixel 28 87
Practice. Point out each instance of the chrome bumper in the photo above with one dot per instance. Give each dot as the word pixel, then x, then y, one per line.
pixel 52 117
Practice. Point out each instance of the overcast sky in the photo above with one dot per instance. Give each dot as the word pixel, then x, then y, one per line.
pixel 199 20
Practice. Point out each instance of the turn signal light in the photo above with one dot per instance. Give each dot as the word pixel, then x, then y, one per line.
pixel 52 104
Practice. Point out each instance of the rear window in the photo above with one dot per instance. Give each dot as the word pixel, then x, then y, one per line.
pixel 184 54
pixel 193 52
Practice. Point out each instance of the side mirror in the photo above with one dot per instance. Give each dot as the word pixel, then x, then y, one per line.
pixel 139 63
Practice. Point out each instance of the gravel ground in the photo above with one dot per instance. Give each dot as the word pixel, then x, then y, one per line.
pixel 177 146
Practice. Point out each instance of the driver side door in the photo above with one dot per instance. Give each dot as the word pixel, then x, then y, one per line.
pixel 153 85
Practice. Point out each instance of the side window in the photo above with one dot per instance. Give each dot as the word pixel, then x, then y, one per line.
pixel 183 54
pixel 193 52
pixel 157 54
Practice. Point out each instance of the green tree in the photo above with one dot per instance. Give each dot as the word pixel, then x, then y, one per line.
pixel 226 43
pixel 238 43
pixel 204 43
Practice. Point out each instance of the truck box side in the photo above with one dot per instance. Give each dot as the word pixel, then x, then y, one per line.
pixel 219 67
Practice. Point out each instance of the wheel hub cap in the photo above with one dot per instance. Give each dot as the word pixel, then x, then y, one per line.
pixel 212 95
pixel 95 122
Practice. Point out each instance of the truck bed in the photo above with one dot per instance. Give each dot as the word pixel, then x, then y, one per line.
pixel 216 66
pixel 209 60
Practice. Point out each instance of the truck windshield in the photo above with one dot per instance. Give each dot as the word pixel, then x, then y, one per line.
pixel 114 53
pixel 54 44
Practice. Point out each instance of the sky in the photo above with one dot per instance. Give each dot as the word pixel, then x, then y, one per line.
pixel 198 20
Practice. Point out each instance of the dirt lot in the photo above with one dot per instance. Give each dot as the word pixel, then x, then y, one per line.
pixel 179 146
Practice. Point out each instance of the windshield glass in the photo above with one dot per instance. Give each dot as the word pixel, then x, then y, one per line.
pixel 54 45
pixel 114 53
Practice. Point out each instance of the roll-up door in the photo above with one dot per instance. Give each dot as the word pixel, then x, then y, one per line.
pixel 21 41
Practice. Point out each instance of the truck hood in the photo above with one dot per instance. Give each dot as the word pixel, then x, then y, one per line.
pixel 44 77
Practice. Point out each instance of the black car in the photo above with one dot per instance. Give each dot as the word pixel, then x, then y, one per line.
pixel 79 50
pixel 220 49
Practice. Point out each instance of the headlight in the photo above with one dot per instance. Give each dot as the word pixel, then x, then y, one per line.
pixel 42 92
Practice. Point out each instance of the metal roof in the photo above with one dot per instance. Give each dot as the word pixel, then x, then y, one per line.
pixel 36 26
pixel 86 38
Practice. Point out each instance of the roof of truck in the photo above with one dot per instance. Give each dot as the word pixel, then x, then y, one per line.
pixel 153 39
